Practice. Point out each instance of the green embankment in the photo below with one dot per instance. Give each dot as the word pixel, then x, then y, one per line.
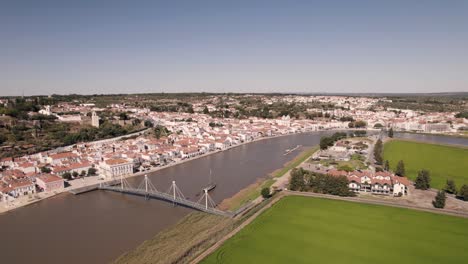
pixel 312 230
pixel 443 162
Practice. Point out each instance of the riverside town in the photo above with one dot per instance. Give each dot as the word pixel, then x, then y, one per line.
pixel 226 132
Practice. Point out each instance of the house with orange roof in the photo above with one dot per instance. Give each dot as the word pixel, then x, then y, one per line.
pixel 50 183
pixel 384 182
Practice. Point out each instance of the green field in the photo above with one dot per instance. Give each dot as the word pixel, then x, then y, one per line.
pixel 443 162
pixel 311 230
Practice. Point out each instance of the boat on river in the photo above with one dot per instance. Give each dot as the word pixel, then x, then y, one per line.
pixel 210 186
pixel 286 152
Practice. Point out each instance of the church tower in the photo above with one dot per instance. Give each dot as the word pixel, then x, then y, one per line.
pixel 94 119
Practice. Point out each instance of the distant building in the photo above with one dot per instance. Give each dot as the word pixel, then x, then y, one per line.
pixel 94 119
pixel 46 111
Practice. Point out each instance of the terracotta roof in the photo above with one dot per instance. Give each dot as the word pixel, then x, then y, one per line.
pixel 49 178
pixel 116 161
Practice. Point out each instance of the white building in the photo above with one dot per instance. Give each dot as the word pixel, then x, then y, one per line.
pixel 113 168
pixel 94 119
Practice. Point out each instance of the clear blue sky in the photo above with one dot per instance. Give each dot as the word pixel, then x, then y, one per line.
pixel 232 46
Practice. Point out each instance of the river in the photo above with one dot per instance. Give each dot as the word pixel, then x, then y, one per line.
pixel 99 226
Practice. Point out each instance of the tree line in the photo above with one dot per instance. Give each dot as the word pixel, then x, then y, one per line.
pixel 303 180
pixel 326 142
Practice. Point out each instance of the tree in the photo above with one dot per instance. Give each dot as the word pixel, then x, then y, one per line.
pixel 439 201
pixel 83 173
pixel 325 142
pixel 265 192
pixel 91 171
pixel 75 174
pixel 136 122
pixel 160 131
pixel 423 180
pixel 400 169
pixel 390 133
pixel 148 123
pixel 67 176
pixel 206 111
pixel 463 192
pixel 450 187
pixel 378 152
pixel 297 180
pixel 190 110
pixel 386 165
pixel 123 116
pixel 45 170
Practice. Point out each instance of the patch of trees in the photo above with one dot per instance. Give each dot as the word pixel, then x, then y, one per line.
pixel 161 131
pixel 426 103
pixel 357 124
pixel 303 180
pixel 177 107
pixel 378 125
pixel 213 124
pixel 423 180
pixel 107 130
pixel 346 119
pixel 19 108
pixel 326 142
pixel 462 115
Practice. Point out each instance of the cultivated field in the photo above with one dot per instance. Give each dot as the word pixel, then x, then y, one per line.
pixel 311 230
pixel 444 162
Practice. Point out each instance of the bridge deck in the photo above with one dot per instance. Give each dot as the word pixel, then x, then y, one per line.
pixel 167 197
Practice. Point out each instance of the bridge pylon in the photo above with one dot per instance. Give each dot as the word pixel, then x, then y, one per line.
pixel 209 203
pixel 175 192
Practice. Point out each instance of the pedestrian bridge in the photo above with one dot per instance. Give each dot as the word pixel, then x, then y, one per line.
pixel 173 195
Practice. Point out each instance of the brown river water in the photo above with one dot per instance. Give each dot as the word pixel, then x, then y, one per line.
pixel 98 226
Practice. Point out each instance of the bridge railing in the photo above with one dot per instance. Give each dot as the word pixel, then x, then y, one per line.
pixel 172 195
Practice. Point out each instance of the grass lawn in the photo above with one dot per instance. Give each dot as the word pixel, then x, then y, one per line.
pixel 444 162
pixel 311 230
